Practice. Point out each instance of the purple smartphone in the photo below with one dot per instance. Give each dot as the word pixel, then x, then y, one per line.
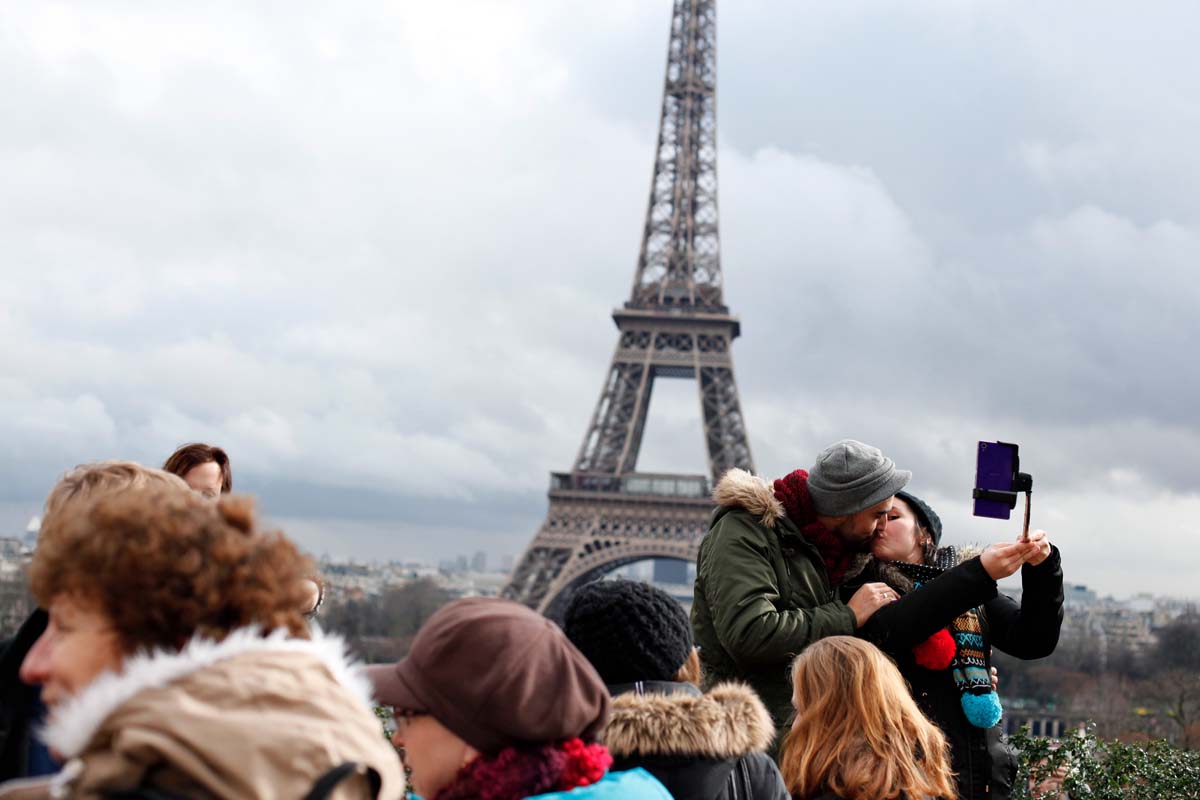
pixel 996 469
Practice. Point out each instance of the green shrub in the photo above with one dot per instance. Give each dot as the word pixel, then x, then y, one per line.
pixel 1098 769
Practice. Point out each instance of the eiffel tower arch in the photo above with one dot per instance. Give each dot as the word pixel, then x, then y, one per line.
pixel 604 513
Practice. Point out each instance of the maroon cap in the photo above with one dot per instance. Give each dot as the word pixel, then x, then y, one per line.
pixel 496 674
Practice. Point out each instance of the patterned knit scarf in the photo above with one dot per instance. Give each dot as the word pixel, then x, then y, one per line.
pixel 792 491
pixel 961 649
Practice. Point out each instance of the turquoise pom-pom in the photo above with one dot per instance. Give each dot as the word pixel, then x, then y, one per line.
pixel 982 710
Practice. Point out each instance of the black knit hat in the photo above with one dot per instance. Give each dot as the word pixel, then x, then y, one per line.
pixel 928 518
pixel 630 631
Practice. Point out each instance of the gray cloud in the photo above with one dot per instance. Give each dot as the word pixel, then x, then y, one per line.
pixel 372 251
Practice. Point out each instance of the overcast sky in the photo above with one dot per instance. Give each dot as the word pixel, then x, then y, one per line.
pixel 372 248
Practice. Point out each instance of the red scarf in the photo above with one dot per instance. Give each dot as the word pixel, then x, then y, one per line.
pixel 792 491
pixel 516 773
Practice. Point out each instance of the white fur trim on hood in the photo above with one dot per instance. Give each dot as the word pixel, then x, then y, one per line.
pixel 74 722
pixel 740 489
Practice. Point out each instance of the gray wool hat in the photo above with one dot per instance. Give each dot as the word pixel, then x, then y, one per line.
pixel 851 476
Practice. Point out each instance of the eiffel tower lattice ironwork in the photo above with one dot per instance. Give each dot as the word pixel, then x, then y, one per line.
pixel 604 514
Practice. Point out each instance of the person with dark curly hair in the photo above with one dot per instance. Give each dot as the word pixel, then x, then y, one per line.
pixel 21 709
pixel 494 702
pixel 177 661
pixel 702 746
pixel 203 467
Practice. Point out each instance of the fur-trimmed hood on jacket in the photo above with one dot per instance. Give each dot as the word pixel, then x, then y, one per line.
pixel 700 746
pixel 249 716
pixel 738 488
pixel 728 721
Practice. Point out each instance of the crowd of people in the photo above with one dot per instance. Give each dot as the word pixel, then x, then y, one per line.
pixel 835 649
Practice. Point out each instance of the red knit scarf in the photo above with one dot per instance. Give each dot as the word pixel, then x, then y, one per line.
pixel 516 773
pixel 792 491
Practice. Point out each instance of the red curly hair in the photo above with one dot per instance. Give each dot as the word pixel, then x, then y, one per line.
pixel 166 565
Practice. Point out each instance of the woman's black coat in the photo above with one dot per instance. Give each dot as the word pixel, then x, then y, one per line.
pixel 984 763
pixel 17 698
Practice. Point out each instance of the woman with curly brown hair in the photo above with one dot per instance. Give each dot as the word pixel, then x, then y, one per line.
pixel 858 734
pixel 21 709
pixel 177 660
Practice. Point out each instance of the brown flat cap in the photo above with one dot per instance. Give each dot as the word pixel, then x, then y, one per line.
pixel 497 675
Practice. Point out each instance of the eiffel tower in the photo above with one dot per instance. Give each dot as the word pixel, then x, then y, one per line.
pixel 603 513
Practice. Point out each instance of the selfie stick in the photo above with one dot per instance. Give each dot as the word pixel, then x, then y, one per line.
pixel 1025 529
pixel 1023 482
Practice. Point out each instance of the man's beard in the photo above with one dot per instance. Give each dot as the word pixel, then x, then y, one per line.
pixel 855 545
pixel 862 546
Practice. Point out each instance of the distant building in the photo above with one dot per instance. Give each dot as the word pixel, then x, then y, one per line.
pixel 13 550
pixel 1112 626
pixel 670 570
pixel 31 530
pixel 1078 595
pixel 1041 721
pixel 15 600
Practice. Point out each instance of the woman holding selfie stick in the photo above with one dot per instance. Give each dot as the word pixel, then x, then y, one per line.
pixel 950 615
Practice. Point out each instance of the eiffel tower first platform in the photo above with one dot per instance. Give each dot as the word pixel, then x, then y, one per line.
pixel 603 513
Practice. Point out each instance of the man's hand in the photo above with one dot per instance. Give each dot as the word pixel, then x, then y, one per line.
pixel 869 598
pixel 1040 539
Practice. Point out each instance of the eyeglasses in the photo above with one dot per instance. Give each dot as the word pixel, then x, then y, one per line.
pixel 402 716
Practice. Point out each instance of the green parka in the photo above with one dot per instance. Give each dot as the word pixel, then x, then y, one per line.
pixel 762 593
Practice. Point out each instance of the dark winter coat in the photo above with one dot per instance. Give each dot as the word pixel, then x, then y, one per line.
pixel 16 698
pixel 700 746
pixel 984 763
pixel 762 593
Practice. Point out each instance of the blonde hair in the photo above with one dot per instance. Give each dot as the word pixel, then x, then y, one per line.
pixel 691 671
pixel 90 481
pixel 857 732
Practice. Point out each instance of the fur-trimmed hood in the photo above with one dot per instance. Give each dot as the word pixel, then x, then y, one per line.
pixel 249 716
pixel 729 721
pixel 75 722
pixel 738 488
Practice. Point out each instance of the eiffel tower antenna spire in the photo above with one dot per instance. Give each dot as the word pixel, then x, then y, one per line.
pixel 604 514
pixel 679 264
